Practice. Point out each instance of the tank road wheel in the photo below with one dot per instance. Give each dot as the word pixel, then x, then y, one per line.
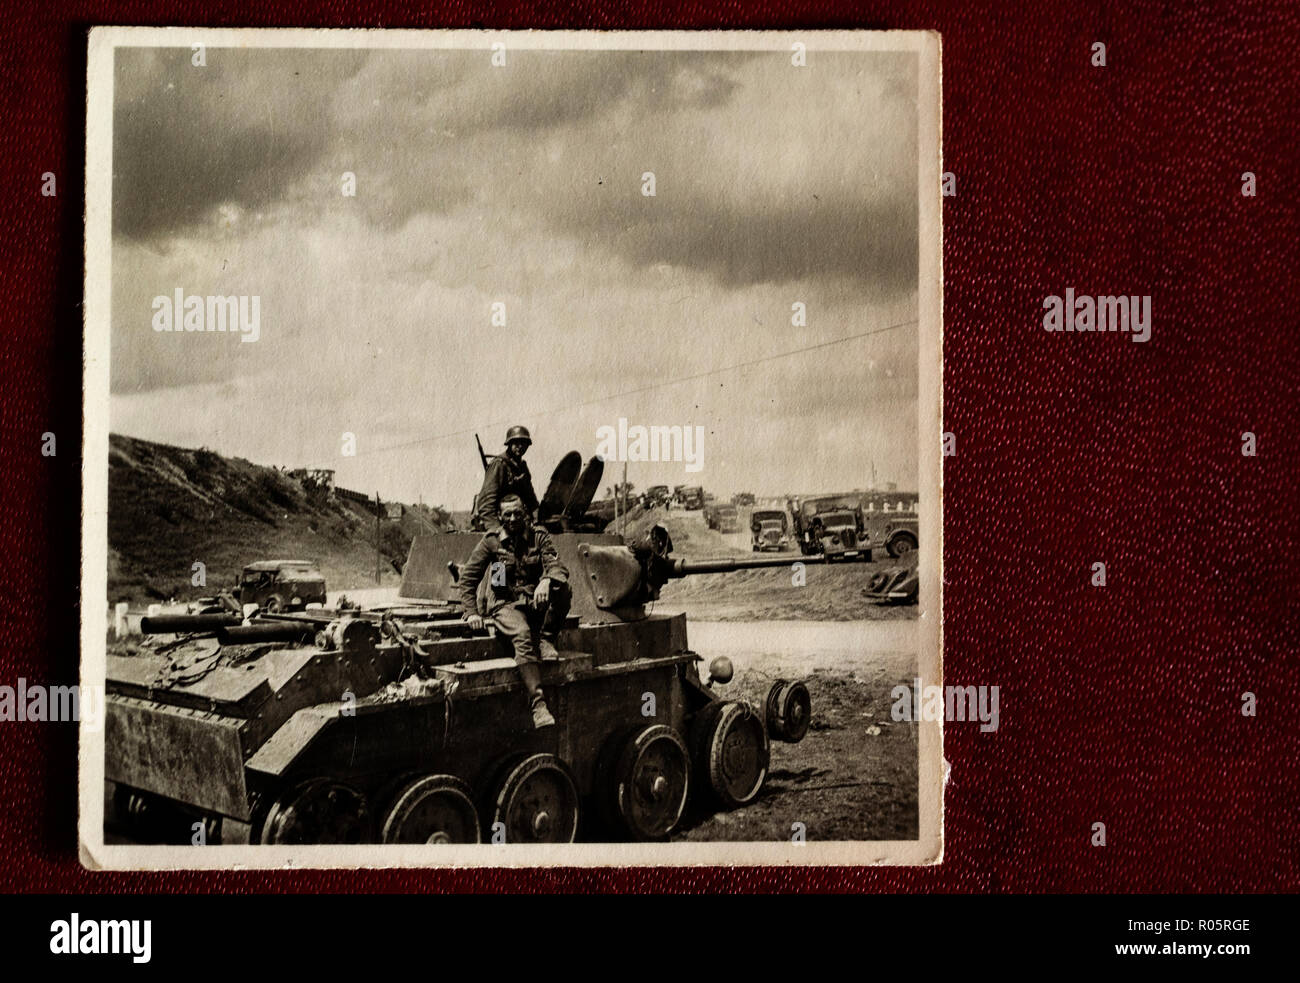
pixel 789 711
pixel 537 802
pixel 651 781
pixel 731 751
pixel 318 811
pixel 432 809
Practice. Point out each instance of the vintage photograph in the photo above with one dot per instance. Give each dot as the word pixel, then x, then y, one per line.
pixel 511 449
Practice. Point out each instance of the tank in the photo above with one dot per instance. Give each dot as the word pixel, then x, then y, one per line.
pixel 400 724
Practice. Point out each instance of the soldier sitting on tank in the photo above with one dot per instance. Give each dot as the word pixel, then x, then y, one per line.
pixel 506 474
pixel 515 578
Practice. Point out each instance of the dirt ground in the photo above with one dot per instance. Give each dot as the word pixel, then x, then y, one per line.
pixel 854 776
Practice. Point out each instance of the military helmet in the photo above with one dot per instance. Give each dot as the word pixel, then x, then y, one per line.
pixel 518 433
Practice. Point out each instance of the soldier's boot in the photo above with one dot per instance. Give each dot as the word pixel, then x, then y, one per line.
pixel 546 649
pixel 533 681
pixel 541 713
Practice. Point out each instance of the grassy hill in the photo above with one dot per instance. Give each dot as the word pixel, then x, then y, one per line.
pixel 169 507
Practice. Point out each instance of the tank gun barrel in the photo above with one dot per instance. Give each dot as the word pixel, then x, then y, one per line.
pixel 726 564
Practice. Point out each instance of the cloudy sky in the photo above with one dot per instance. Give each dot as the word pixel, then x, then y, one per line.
pixel 522 185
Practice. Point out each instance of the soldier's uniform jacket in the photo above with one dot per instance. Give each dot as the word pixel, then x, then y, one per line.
pixel 523 564
pixel 503 477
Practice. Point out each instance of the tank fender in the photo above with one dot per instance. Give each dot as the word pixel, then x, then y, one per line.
pixel 293 738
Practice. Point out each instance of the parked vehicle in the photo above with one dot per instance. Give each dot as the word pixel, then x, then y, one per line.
pixel 655 496
pixel 770 529
pixel 830 525
pixel 723 518
pixel 281 585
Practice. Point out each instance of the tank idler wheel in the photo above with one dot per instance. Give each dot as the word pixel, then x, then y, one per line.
pixel 318 811
pixel 432 809
pixel 731 751
pixel 789 711
pixel 652 778
pixel 537 802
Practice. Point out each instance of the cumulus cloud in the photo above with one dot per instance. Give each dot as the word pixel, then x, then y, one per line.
pixel 519 186
pixel 239 131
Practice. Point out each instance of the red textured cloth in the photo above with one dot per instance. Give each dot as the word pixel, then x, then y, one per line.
pixel 1118 705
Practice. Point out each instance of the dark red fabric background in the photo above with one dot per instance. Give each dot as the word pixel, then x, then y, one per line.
pixel 1118 705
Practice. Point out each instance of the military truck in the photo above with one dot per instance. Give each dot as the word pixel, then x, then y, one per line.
pixel 281 585
pixel 723 518
pixel 692 497
pixel 830 526
pixel 401 724
pixel 770 529
pixel 655 496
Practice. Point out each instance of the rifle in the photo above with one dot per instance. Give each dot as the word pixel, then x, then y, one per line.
pixel 481 456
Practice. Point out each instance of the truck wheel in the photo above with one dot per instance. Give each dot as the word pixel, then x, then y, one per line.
pixel 900 544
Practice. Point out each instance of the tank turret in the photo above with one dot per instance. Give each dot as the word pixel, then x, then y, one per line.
pixel 620 575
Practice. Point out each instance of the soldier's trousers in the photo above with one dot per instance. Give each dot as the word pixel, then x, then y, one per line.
pixel 521 623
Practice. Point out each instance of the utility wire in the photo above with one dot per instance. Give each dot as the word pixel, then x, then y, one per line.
pixel 643 389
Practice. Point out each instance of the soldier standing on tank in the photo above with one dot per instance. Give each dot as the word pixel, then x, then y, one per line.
pixel 515 578
pixel 506 474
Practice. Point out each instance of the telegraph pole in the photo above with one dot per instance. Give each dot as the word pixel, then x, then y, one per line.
pixel 378 507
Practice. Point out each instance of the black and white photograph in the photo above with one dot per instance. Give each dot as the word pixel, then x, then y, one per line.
pixel 512 449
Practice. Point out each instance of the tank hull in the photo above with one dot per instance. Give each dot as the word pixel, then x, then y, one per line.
pixel 405 724
pixel 287 724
